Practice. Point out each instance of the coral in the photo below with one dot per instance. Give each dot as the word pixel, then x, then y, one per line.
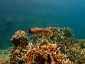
pixel 76 53
pixel 47 54
pixel 19 39
pixel 55 34
pixel 50 45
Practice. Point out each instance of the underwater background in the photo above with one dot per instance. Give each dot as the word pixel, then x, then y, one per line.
pixel 23 14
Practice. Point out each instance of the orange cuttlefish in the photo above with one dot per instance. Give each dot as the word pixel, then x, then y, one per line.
pixel 42 31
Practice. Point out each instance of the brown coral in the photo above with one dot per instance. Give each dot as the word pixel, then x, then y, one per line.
pixel 44 53
pixel 48 54
pixel 20 42
pixel 19 38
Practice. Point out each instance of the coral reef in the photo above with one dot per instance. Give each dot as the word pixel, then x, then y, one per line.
pixel 20 41
pixel 50 45
pixel 47 54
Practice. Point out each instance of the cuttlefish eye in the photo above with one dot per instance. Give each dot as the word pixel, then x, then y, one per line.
pixel 29 30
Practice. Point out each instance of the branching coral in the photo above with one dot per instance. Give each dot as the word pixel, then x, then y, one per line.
pixel 20 42
pixel 50 45
pixel 19 39
pixel 46 54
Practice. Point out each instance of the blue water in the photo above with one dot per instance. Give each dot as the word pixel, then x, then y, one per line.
pixel 22 14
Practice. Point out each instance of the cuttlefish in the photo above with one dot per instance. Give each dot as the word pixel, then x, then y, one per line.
pixel 41 31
